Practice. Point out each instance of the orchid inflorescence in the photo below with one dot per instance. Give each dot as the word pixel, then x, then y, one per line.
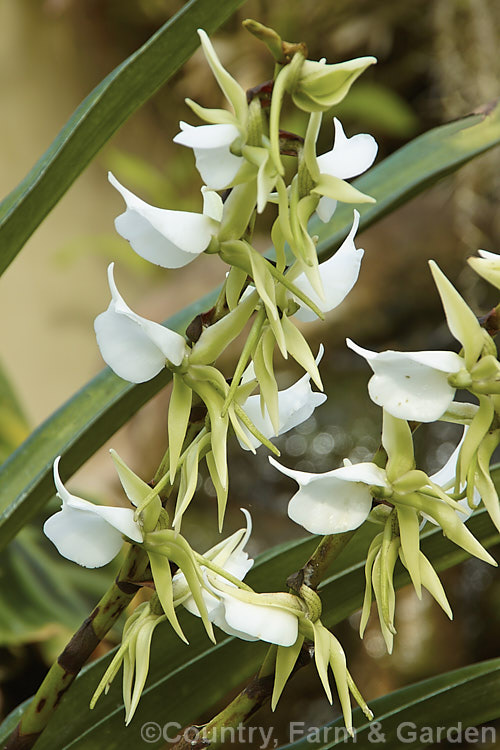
pixel 239 151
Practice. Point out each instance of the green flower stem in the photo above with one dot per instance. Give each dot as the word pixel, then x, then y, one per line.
pixel 62 673
pixel 259 690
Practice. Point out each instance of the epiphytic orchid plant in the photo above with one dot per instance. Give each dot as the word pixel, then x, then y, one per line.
pixel 238 153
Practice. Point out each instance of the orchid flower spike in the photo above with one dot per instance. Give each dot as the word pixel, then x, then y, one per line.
pixel 90 535
pixel 412 385
pixel 338 275
pixel 171 239
pixel 349 157
pixel 336 501
pixel 295 405
pixel 135 348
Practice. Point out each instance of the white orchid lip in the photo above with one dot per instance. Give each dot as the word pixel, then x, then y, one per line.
pixel 211 144
pixel 336 501
pixel 295 405
pixel 90 535
pixel 170 239
pixel 253 621
pixel 348 158
pixel 338 275
pixel 411 385
pixel 135 348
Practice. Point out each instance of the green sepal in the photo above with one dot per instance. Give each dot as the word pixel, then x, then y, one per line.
pixel 212 116
pixel 340 190
pixel 238 210
pixel 411 481
pixel 409 528
pixel 430 580
pixel 218 336
pixel 321 86
pixel 237 412
pixel 398 443
pixel 137 491
pixel 231 89
pixel 309 151
pixel 449 521
pixel 300 351
pixel 142 655
pixel 264 371
pixel 235 283
pixel 162 577
pixel 322 656
pixel 382 576
pixel 286 78
pixel 477 431
pixel 487 369
pixel 339 668
pixel 222 492
pixel 211 387
pixel 174 547
pixel 286 658
pixel 189 479
pixel 462 322
pixel 179 410
pixel 483 480
pixel 249 345
pixel 367 600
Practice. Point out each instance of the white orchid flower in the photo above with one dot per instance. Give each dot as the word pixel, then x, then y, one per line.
pixel 243 614
pixel 90 535
pixel 135 348
pixel 211 144
pixel 411 385
pixel 338 275
pixel 335 501
pixel 348 158
pixel 295 405
pixel 228 554
pixel 171 239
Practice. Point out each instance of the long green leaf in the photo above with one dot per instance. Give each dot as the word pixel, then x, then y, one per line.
pixel 412 716
pixel 177 688
pixel 101 407
pixel 104 110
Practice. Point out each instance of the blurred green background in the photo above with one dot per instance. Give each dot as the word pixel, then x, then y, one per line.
pixel 437 61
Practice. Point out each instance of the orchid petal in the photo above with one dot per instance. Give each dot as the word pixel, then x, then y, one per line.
pixel 411 385
pixel 250 621
pixel 338 275
pixel 349 157
pixel 171 239
pixel 134 347
pixel 88 534
pixel 211 145
pixel 333 502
